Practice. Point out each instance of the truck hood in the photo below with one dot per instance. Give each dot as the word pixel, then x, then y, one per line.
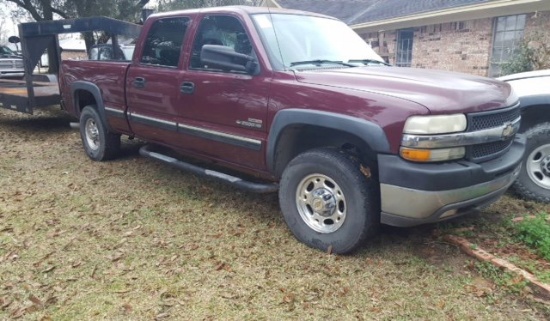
pixel 528 74
pixel 439 91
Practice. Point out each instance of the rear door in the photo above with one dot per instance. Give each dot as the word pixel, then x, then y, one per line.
pixel 153 83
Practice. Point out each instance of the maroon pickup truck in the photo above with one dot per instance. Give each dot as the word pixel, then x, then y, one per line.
pixel 297 102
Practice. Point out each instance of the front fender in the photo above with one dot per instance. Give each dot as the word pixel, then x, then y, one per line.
pixel 370 133
pixel 529 101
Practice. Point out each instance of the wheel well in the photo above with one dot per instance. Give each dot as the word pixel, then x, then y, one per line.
pixel 82 99
pixel 534 115
pixel 296 139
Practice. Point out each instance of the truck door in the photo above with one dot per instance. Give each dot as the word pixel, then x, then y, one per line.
pixel 153 82
pixel 223 113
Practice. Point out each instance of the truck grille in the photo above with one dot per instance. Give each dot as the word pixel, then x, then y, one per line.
pixel 486 120
pixel 11 64
pixel 484 150
pixel 492 119
pixel 6 64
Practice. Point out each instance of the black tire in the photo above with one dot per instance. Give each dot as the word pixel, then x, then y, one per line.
pixel 348 199
pixel 99 143
pixel 533 182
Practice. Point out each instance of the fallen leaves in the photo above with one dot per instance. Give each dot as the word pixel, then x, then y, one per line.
pixel 7 229
pixel 223 266
pixel 48 269
pixel 480 287
pixel 45 257
pixel 116 256
pixel 102 248
pixel 4 303
pixel 10 256
pixel 36 304
pixel 35 300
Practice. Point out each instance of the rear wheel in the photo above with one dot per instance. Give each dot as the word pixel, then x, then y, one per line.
pixel 327 202
pixel 534 178
pixel 99 143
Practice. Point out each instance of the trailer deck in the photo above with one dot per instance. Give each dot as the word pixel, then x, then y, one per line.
pixel 14 94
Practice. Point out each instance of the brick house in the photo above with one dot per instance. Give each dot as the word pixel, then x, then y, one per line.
pixel 471 36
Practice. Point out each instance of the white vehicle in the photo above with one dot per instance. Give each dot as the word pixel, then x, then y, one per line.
pixel 11 64
pixel 533 89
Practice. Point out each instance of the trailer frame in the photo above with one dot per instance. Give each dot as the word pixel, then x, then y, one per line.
pixel 36 38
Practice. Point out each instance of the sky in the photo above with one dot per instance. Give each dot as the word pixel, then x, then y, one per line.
pixel 9 27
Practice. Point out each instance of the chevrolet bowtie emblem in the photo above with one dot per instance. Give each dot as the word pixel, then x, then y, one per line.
pixel 508 131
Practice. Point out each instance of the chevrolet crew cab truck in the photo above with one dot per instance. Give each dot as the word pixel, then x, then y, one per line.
pixel 295 102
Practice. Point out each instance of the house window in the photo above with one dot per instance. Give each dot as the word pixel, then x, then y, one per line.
pixel 507 36
pixel 404 48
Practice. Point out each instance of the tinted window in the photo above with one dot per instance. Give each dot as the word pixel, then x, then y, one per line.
pixel 220 30
pixel 164 41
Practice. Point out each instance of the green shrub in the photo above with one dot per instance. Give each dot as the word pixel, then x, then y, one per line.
pixel 533 53
pixel 535 232
pixel 521 62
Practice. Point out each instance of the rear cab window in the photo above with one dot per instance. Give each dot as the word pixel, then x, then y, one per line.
pixel 164 42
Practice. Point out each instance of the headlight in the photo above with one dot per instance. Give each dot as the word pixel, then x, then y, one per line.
pixel 442 124
pixel 432 155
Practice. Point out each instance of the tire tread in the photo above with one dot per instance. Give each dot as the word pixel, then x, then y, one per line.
pixel 367 188
pixel 522 185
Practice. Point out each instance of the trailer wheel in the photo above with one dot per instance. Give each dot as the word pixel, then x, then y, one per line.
pixel 327 201
pixel 99 143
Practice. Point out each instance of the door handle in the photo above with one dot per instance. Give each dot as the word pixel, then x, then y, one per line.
pixel 187 88
pixel 139 82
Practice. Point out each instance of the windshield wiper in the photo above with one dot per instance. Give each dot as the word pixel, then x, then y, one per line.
pixel 319 62
pixel 367 62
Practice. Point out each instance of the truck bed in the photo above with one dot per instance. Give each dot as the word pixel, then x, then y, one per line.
pixel 14 95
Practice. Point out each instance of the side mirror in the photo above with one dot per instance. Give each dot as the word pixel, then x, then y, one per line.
pixel 14 39
pixel 228 59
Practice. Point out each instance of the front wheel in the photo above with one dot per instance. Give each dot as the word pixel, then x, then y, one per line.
pixel 99 143
pixel 534 178
pixel 327 201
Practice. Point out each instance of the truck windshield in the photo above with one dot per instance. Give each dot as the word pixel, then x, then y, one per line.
pixel 6 51
pixel 301 41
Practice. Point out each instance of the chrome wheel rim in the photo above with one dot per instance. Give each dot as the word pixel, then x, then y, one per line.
pixel 538 166
pixel 321 203
pixel 92 134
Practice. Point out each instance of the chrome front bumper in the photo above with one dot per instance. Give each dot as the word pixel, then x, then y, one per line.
pixel 413 194
pixel 409 207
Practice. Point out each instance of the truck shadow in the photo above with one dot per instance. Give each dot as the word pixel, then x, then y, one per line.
pixel 420 240
pixel 45 123
pixel 129 148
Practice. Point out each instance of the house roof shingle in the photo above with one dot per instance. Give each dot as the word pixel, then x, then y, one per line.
pixel 360 11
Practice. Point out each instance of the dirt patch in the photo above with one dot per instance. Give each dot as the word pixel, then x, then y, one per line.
pixel 136 239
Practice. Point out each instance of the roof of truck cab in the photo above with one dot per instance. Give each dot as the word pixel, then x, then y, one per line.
pixel 235 9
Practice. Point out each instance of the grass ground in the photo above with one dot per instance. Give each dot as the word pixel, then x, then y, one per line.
pixel 133 239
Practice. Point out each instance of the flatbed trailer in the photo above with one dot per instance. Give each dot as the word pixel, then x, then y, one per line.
pixel 41 90
pixel 14 95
